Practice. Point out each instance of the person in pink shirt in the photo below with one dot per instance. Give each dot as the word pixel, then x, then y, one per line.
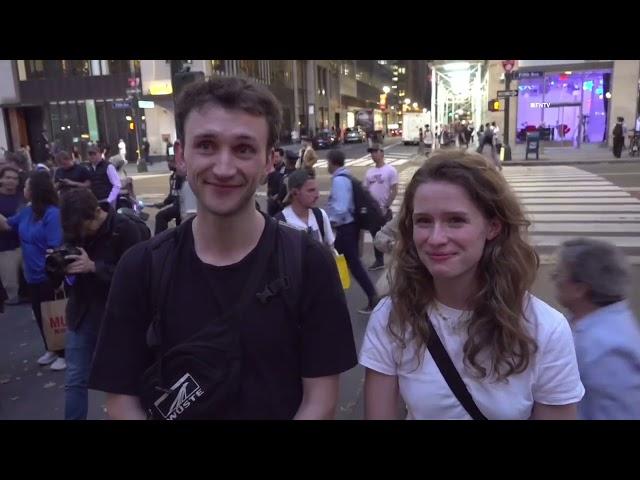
pixel 382 182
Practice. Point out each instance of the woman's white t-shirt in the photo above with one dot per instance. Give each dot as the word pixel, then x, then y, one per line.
pixel 295 221
pixel 552 377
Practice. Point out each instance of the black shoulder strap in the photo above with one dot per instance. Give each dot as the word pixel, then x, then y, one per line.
pixel 280 216
pixel 319 220
pixel 451 375
pixel 291 242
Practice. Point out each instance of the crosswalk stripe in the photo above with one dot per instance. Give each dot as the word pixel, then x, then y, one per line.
pixel 557 240
pixel 578 189
pixel 600 227
pixel 594 200
pixel 582 208
pixel 585 217
pixel 585 194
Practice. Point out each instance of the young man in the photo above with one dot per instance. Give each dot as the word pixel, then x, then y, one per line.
pixel 69 174
pixel 282 352
pixel 170 206
pixel 274 182
pixel 11 200
pixel 341 208
pixel 302 212
pixel 618 137
pixel 105 181
pixel 102 237
pixel 382 181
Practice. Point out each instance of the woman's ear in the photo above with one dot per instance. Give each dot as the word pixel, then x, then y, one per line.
pixel 495 227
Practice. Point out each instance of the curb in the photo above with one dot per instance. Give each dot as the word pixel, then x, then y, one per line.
pixel 512 163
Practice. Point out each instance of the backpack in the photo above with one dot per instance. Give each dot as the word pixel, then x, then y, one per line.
pixel 143 228
pixel 617 130
pixel 368 215
pixel 488 134
pixel 316 213
pixel 201 376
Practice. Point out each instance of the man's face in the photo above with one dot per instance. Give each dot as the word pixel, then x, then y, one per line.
pixel 377 156
pixel 94 156
pixel 90 227
pixel 9 180
pixel 277 159
pixel 307 195
pixel 568 293
pixel 66 162
pixel 225 156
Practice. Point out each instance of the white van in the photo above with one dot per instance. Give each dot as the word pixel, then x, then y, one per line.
pixel 411 125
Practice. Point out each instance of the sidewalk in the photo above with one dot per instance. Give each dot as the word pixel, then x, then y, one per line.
pixel 586 154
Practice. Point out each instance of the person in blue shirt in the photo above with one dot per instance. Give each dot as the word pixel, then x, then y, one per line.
pixel 39 229
pixel 340 209
pixel 592 280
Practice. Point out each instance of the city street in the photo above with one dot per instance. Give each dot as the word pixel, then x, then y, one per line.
pixel 599 200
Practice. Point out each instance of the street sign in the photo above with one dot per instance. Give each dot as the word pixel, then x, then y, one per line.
pixel 518 75
pixel 508 65
pixel 507 93
pixel 121 105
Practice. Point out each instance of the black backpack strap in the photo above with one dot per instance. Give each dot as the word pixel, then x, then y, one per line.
pixel 280 216
pixel 161 249
pixel 290 248
pixel 450 374
pixel 319 220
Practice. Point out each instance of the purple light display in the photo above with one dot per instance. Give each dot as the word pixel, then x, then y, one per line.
pixel 555 100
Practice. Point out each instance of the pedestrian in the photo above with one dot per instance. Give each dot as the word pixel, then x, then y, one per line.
pixel 70 175
pixel 39 229
pixel 300 211
pixel 122 149
pixel 102 238
pixel 105 181
pixel 497 136
pixel 488 138
pixel 274 182
pixel 310 158
pixel 75 154
pixel 618 137
pixel 290 162
pixel 382 182
pixel 341 210
pixel 460 336
pixel 592 280
pixel 428 140
pixel 11 200
pixel 146 148
pixel 169 208
pixel 232 315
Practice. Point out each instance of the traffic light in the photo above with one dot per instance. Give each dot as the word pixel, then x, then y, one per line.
pixel 495 105
pixel 132 126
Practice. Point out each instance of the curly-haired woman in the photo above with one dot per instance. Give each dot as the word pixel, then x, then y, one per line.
pixel 461 273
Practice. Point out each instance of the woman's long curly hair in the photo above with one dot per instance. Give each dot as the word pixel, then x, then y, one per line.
pixel 497 329
pixel 43 193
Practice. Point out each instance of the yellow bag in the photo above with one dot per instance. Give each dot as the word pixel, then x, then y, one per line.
pixel 54 321
pixel 343 270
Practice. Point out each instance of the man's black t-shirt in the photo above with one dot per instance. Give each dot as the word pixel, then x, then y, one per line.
pixel 278 350
pixel 76 173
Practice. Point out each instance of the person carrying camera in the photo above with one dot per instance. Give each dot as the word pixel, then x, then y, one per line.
pixel 99 238
pixel 38 227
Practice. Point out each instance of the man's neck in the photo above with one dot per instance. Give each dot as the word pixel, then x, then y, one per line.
pixel 581 310
pixel 224 241
pixel 380 164
pixel 301 212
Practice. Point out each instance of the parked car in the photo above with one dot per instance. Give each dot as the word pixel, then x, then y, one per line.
pixel 324 139
pixel 353 135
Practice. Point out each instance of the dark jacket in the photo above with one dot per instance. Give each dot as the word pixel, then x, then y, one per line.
pixel 100 183
pixel 175 185
pixel 88 294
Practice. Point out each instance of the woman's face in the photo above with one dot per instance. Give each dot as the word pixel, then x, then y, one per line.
pixel 449 231
pixel 27 190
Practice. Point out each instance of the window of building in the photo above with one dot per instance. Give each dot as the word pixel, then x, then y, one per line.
pixel 119 66
pixel 217 67
pixel 34 69
pixel 76 68
pixel 249 68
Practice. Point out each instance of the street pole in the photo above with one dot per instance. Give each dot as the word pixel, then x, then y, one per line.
pixel 505 145
pixel 141 163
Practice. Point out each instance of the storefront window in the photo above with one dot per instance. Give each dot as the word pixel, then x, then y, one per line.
pixel 119 66
pixel 217 66
pixel 76 68
pixel 249 68
pixel 563 106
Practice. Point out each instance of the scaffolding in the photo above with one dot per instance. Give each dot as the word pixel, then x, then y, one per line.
pixel 457 90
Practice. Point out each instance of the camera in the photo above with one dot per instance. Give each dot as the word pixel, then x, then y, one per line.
pixel 56 263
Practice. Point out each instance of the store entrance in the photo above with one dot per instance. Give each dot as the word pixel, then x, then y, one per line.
pixel 562 121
